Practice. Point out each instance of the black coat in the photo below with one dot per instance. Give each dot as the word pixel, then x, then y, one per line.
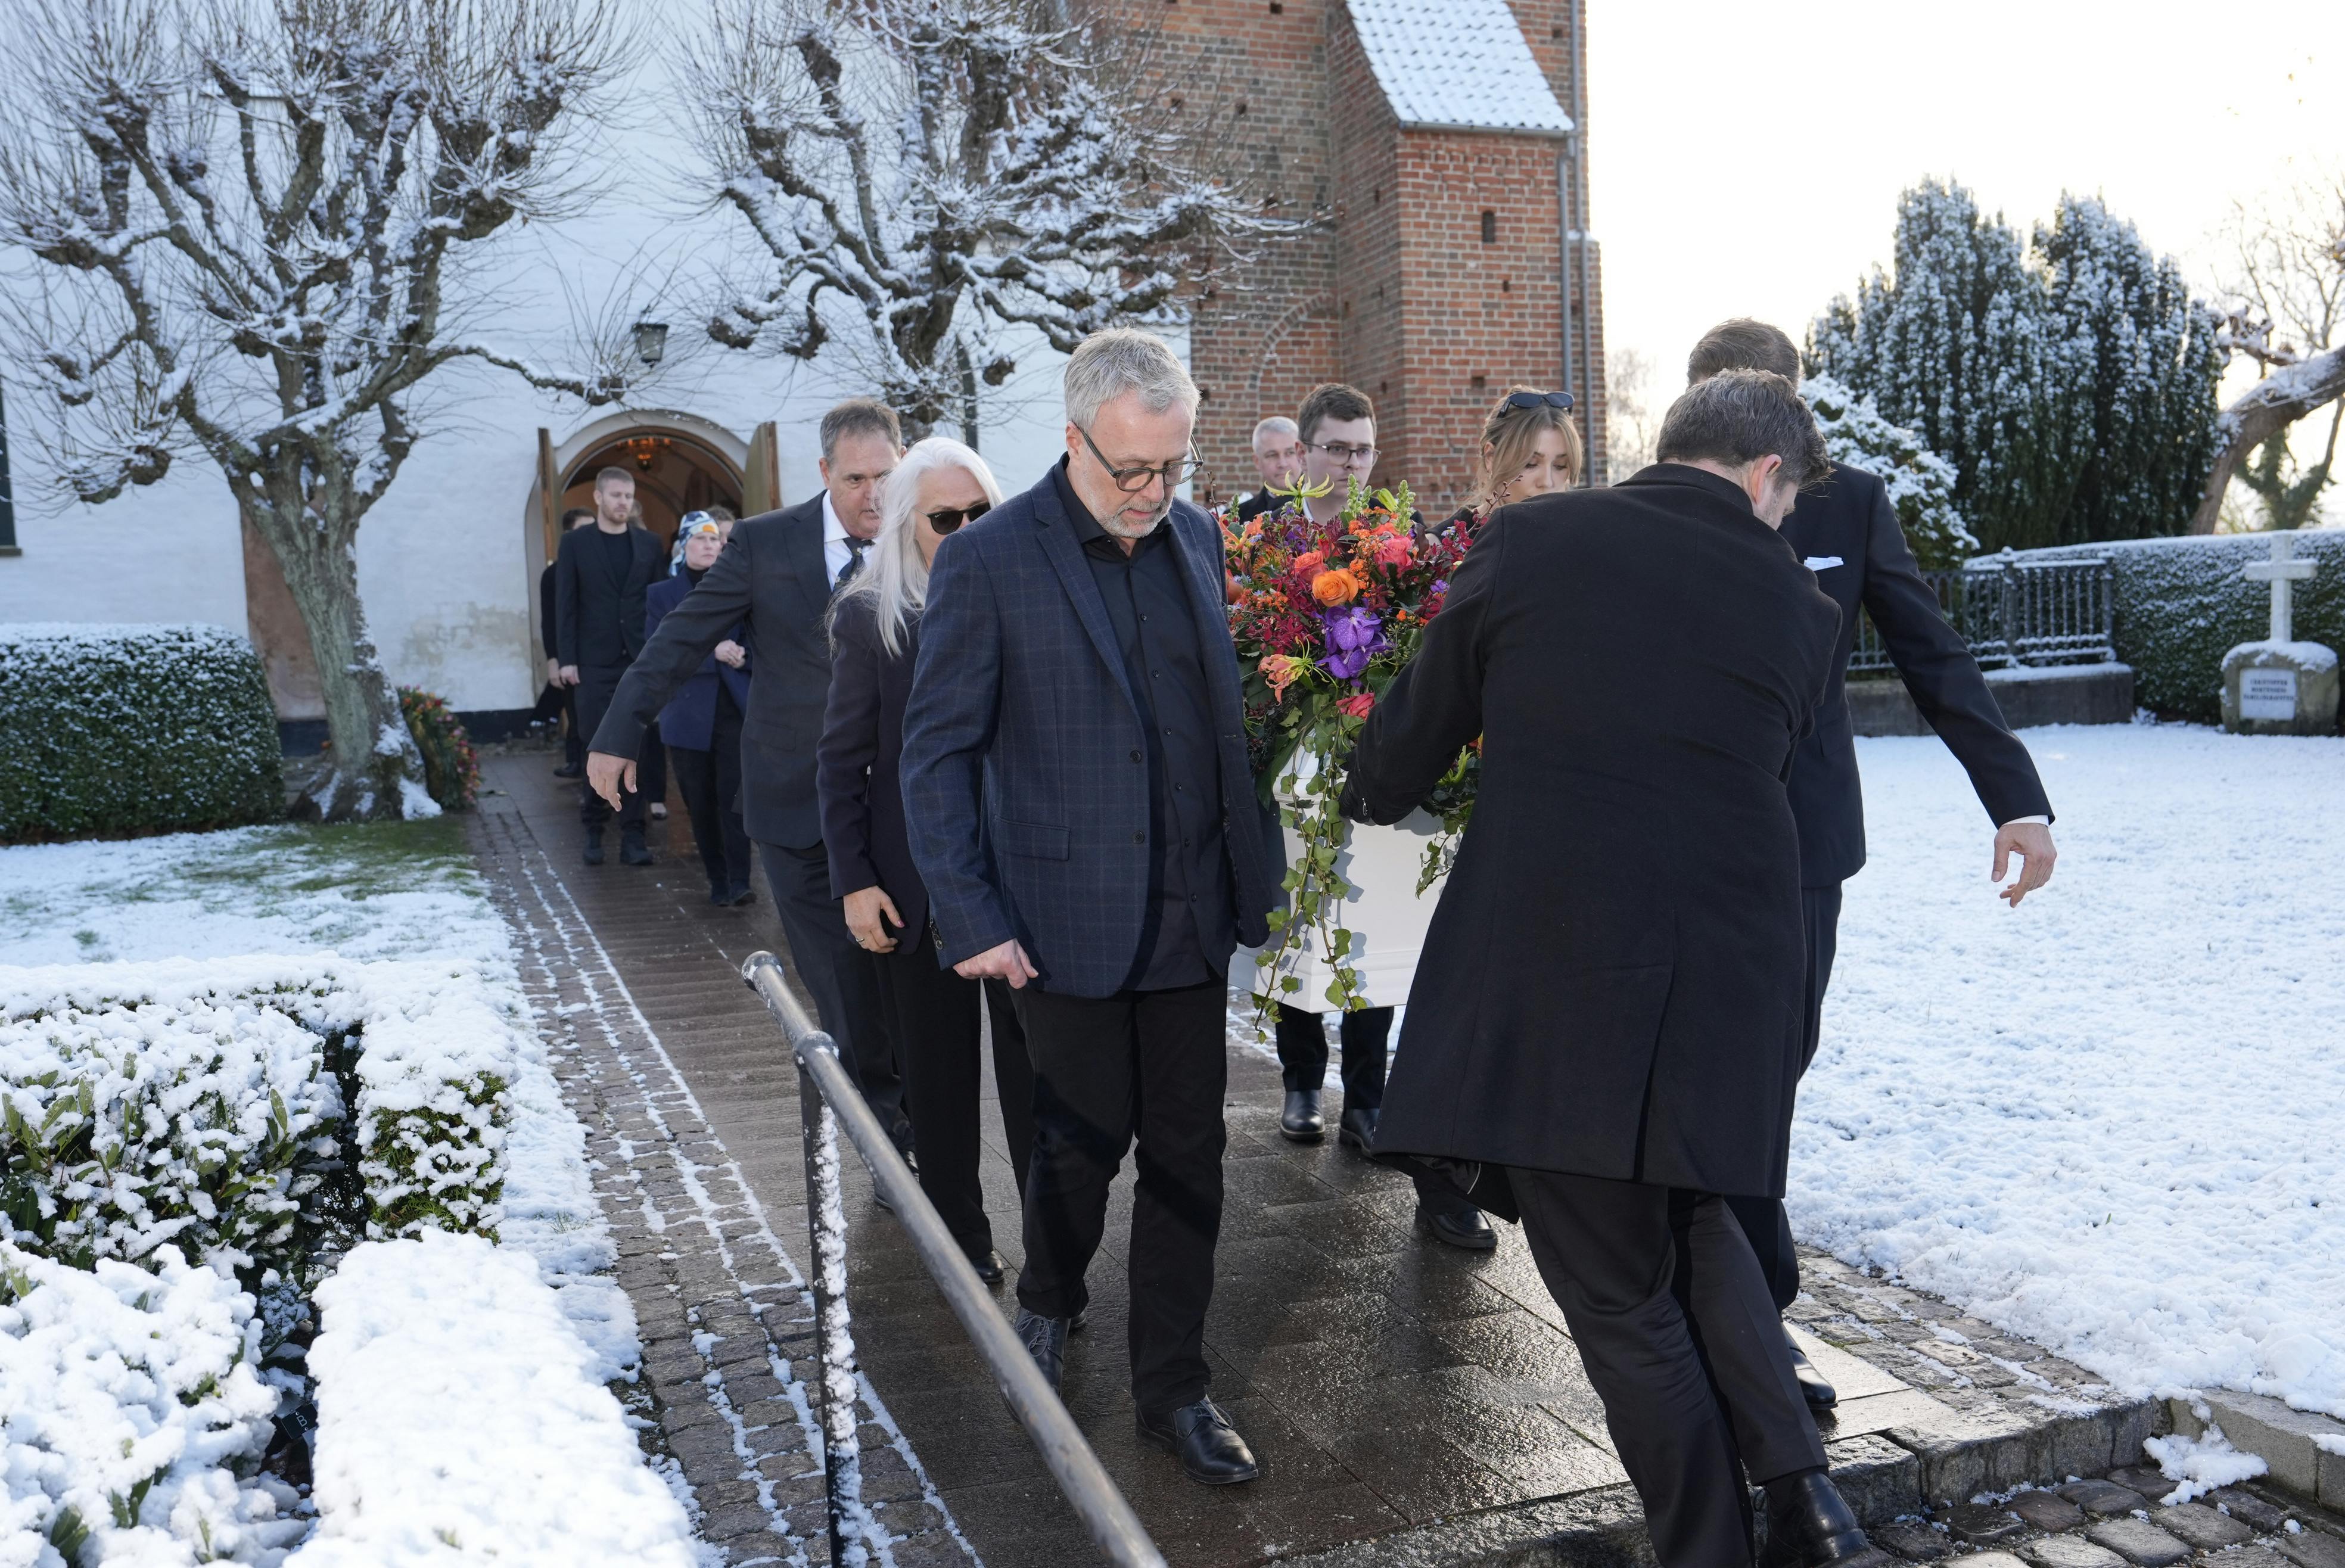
pixel 1614 980
pixel 548 638
pixel 598 617
pixel 857 768
pixel 771 576
pixel 1847 532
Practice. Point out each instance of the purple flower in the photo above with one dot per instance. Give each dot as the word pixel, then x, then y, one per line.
pixel 1354 637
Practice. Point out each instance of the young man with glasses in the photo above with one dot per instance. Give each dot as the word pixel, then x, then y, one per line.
pixel 1338 429
pixel 1082 814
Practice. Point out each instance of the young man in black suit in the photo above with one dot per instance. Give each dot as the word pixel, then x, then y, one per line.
pixel 1847 532
pixel 777 572
pixel 1604 1027
pixel 599 582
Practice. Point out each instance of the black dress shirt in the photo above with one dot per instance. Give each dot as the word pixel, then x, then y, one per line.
pixel 1192 931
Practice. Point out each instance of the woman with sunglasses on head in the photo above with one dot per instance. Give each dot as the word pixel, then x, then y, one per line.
pixel 1529 446
pixel 931 1013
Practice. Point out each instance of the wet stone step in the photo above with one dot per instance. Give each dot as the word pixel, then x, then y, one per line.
pixel 2138 1542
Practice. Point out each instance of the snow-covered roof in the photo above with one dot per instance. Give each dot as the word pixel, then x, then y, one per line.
pixel 1457 64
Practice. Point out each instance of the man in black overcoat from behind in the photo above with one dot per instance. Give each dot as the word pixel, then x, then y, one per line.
pixel 1611 989
pixel 1847 532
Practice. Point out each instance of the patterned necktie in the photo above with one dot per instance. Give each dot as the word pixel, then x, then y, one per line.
pixel 855 549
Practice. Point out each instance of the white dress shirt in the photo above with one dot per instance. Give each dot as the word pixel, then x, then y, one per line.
pixel 836 552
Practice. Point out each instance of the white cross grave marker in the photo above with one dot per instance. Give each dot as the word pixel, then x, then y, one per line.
pixel 2281 571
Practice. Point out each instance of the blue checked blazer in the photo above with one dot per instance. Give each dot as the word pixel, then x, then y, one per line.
pixel 1024 770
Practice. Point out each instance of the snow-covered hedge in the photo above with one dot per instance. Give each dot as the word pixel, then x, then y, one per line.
pixel 2182 604
pixel 133 729
pixel 459 1408
pixel 1921 482
pixel 131 1421
pixel 203 1125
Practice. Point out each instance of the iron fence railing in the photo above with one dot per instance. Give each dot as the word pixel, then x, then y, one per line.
pixel 2016 613
pixel 829 1103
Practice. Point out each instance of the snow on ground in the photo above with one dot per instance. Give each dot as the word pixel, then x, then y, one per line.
pixel 2112 1119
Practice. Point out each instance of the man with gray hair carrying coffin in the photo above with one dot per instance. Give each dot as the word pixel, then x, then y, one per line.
pixel 1605 1017
pixel 1079 804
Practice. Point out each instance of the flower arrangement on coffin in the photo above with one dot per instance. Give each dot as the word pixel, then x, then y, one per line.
pixel 1324 615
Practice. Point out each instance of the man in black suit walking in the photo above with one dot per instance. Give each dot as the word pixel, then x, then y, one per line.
pixel 777 572
pixel 599 582
pixel 1846 532
pixel 1604 1028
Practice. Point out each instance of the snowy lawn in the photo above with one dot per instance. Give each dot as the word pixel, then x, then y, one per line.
pixel 383 930
pixel 2112 1120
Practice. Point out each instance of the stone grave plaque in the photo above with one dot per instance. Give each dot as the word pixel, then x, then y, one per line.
pixel 2268 694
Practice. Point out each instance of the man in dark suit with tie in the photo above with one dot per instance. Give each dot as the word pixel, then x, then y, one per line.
pixel 1604 1028
pixel 776 575
pixel 599 581
pixel 1846 531
pixel 1081 810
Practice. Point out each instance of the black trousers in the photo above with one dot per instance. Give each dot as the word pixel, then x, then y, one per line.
pixel 1148 1065
pixel 597 684
pixel 573 740
pixel 651 767
pixel 842 976
pixel 710 783
pixel 933 1018
pixel 1763 1220
pixel 1672 1321
pixel 1365 1035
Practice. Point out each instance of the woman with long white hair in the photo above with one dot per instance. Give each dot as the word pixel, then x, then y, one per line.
pixel 931 1013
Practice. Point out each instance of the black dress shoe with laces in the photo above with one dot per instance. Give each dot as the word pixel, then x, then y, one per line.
pixel 986 1262
pixel 1460 1227
pixel 1300 1121
pixel 1045 1339
pixel 1813 1385
pixel 1207 1445
pixel 1356 1129
pixel 1811 1525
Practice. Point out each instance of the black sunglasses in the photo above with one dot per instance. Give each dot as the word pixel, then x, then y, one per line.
pixel 1538 400
pixel 947 519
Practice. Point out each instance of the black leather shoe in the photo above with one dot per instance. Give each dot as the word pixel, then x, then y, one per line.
pixel 1817 1389
pixel 570 771
pixel 741 897
pixel 1463 1227
pixel 1357 1129
pixel 987 1264
pixel 721 897
pixel 1811 1525
pixel 1045 1339
pixel 1079 1322
pixel 594 846
pixel 1208 1446
pixel 1300 1121
pixel 633 850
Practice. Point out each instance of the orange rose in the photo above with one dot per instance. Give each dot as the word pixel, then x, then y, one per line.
pixel 1337 587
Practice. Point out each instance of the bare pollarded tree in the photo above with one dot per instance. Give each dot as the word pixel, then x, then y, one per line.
pixel 245 222
pixel 927 175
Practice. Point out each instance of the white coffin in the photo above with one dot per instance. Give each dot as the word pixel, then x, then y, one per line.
pixel 1386 915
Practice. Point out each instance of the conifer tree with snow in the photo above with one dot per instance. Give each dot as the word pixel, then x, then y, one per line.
pixel 1921 483
pixel 933 180
pixel 2071 385
pixel 246 222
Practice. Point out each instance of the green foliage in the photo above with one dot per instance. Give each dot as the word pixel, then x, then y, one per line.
pixel 2182 604
pixel 451 770
pixel 434 1167
pixel 2070 384
pixel 114 729
pixel 1921 483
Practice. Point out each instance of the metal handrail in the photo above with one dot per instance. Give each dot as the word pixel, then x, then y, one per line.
pixel 828 1101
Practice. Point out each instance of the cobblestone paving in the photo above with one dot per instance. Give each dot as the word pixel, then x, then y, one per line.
pixel 1411 1404
pixel 727 1328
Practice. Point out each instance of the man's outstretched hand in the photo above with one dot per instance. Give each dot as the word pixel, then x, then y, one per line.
pixel 607 775
pixel 2032 841
pixel 1008 962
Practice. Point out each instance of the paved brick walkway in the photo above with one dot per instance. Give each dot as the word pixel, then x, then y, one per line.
pixel 1409 1403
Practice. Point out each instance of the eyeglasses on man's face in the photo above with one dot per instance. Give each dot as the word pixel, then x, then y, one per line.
pixel 946 519
pixel 1343 454
pixel 1132 481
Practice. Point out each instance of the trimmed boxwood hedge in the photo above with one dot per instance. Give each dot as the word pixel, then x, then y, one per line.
pixel 2182 604
pixel 118 730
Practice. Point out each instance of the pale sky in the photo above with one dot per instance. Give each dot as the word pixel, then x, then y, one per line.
pixel 1746 159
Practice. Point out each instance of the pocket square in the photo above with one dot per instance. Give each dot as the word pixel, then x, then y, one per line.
pixel 1818 563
